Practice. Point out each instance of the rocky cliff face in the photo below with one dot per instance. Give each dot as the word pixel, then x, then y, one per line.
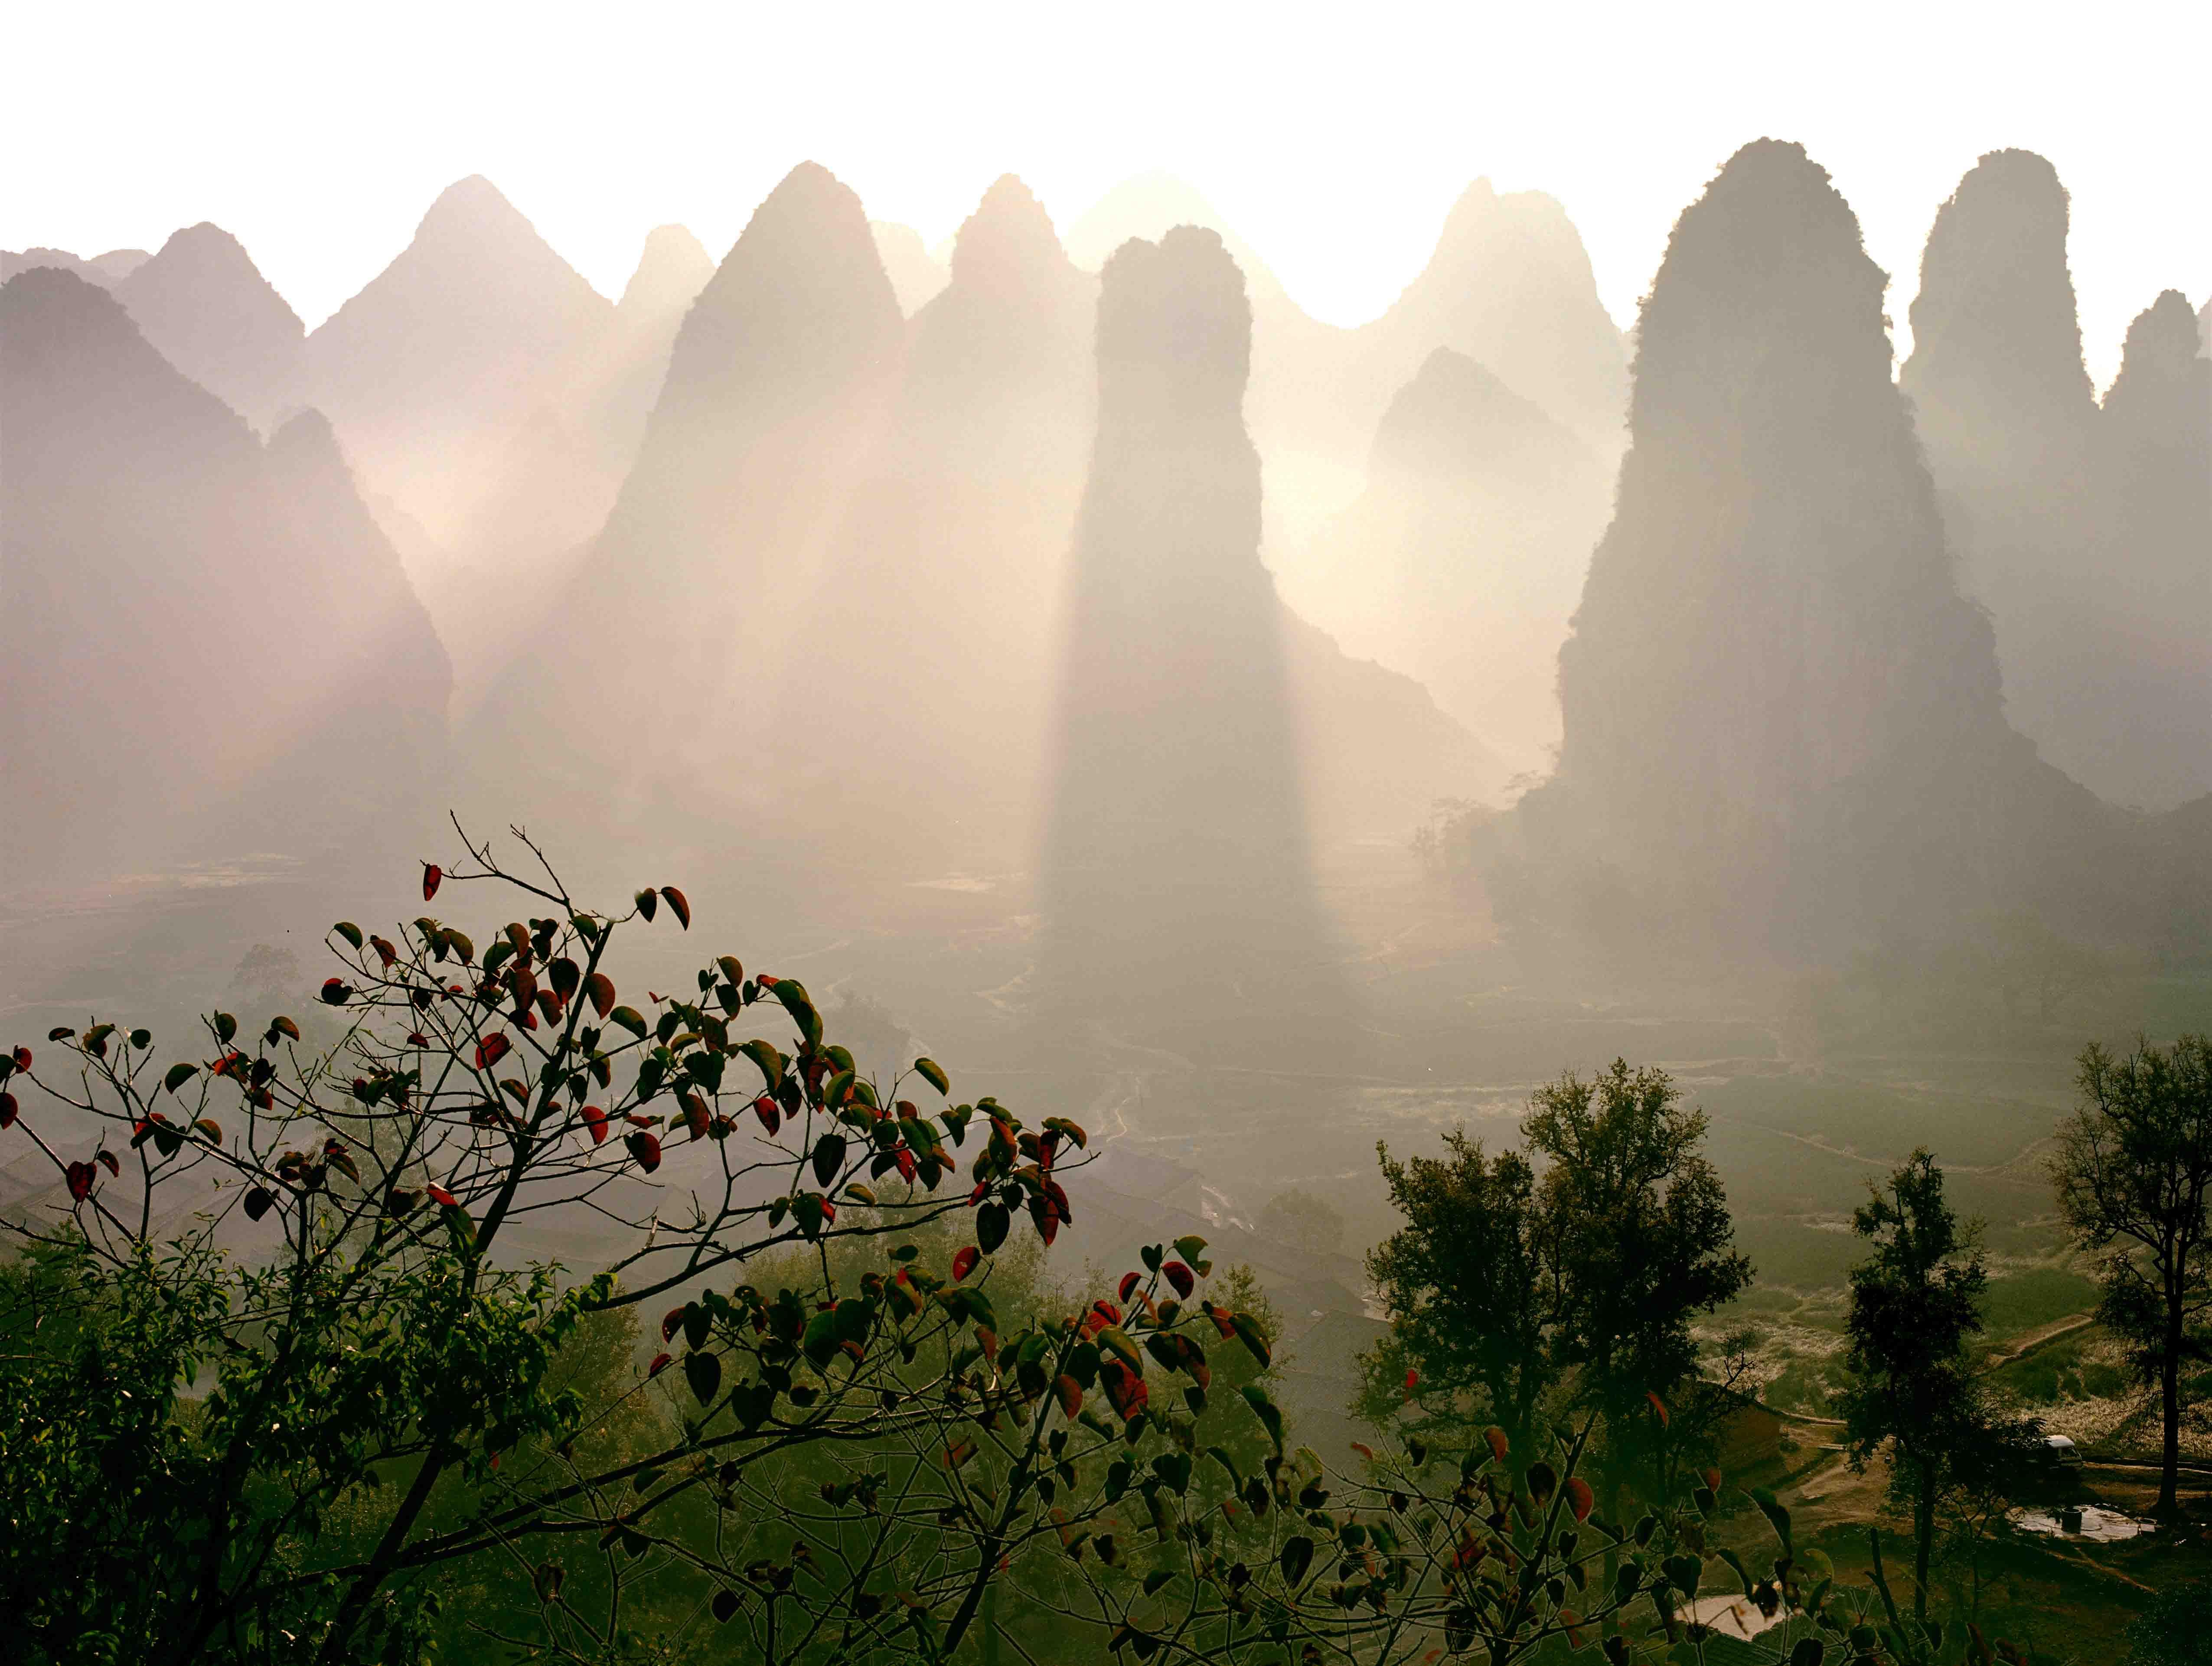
pixel 2013 437
pixel 1784 729
pixel 207 308
pixel 1176 872
pixel 213 649
pixel 2155 444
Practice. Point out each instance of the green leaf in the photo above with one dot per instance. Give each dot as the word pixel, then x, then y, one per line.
pixel 828 1157
pixel 1248 1332
pixel 1192 1249
pixel 351 933
pixel 177 1075
pixel 793 994
pixel 1264 1409
pixel 933 1072
pixel 1220 1456
pixel 225 1027
pixel 1116 1340
pixel 765 1054
pixel 1156 1578
pixel 1296 1556
pixel 703 1372
pixel 630 1020
pixel 1772 1509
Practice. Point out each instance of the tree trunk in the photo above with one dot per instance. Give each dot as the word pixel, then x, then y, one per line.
pixel 2169 1471
pixel 1923 1537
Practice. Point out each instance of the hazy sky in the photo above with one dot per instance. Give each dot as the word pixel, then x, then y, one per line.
pixel 1333 138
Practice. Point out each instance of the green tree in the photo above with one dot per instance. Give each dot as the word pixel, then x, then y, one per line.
pixel 1639 1242
pixel 1470 1288
pixel 1304 1220
pixel 2133 1172
pixel 1508 1283
pixel 1916 1303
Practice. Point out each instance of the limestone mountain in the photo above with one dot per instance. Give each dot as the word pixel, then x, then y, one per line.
pixel 205 304
pixel 773 399
pixel 2005 410
pixel 1509 285
pixel 1463 557
pixel 916 276
pixel 214 649
pixel 1783 727
pixel 106 270
pixel 945 580
pixel 2156 443
pixel 547 488
pixel 1176 875
pixel 430 371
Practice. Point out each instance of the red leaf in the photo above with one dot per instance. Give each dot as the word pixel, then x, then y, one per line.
pixel 22 1057
pixel 490 1050
pixel 417 1038
pixel 439 1195
pixel 660 1363
pixel 1658 1406
pixel 672 1321
pixel 1413 1380
pixel 675 901
pixel 79 1181
pixel 336 993
pixel 645 1149
pixel 8 1110
pixel 770 1113
pixel 601 988
pixel 1498 1444
pixel 1071 1396
pixel 1578 1497
pixel 761 978
pixel 431 874
pixel 1125 1390
pixel 1129 1281
pixel 108 1158
pixel 904 1158
pixel 596 1121
pixel 963 1263
pixel 1180 1277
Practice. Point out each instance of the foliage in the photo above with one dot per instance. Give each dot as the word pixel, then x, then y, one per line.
pixel 2174 1629
pixel 2132 1173
pixel 1305 1221
pixel 1916 1303
pixel 1508 1283
pixel 1469 1284
pixel 313 1393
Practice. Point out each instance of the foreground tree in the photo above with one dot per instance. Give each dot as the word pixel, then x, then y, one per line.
pixel 2133 1174
pixel 1507 1286
pixel 1916 1303
pixel 1640 1241
pixel 271 1365
pixel 1470 1291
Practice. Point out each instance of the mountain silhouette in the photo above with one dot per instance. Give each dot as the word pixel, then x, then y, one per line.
pixel 432 368
pixel 958 535
pixel 1463 557
pixel 773 401
pixel 1784 732
pixel 215 649
pixel 2005 412
pixel 1177 882
pixel 104 269
pixel 205 306
pixel 1509 285
pixel 916 276
pixel 2156 444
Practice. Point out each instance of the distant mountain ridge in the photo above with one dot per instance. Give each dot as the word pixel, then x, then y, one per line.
pixel 214 649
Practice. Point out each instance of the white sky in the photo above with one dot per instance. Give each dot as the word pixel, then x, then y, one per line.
pixel 1334 139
